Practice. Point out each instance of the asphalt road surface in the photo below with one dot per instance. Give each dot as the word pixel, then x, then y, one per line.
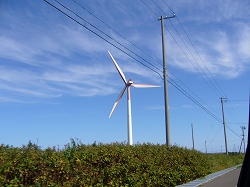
pixel 229 179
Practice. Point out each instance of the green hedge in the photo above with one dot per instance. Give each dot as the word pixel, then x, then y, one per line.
pixel 114 164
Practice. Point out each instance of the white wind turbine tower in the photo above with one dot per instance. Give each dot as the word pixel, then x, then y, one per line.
pixel 127 86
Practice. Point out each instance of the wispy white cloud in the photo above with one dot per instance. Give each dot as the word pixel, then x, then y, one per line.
pixel 223 52
pixel 244 42
pixel 216 29
pixel 211 11
pixel 47 53
pixel 42 53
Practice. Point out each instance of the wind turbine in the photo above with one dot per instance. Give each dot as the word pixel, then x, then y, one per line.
pixel 127 86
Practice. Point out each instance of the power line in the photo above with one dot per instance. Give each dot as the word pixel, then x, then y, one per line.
pixel 233 131
pixel 234 115
pixel 171 81
pixel 185 55
pixel 175 85
pixel 116 31
pixel 210 74
pixel 100 36
pixel 168 6
pixel 105 34
pixel 192 92
pixel 156 61
pixel 193 99
pixel 149 7
pixel 223 93
pixel 195 58
pixel 213 87
pixel 209 132
pixel 215 136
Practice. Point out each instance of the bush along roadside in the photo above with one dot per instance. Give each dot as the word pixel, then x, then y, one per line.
pixel 114 164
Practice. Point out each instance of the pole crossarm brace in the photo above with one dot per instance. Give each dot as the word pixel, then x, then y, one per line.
pixel 165 76
pixel 166 17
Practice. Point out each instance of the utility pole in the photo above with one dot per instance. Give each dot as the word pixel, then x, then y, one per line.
pixel 192 134
pixel 165 76
pixel 206 146
pixel 224 122
pixel 243 139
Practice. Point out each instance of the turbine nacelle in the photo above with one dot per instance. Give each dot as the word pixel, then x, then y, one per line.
pixel 129 82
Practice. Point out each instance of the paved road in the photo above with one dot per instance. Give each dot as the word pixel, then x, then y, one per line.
pixel 229 179
pixel 224 178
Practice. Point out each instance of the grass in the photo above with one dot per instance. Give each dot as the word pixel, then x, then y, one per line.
pixel 220 162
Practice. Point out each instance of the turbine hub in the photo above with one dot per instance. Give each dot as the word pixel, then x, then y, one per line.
pixel 129 82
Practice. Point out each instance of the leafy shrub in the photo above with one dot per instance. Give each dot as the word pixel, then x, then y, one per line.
pixel 114 164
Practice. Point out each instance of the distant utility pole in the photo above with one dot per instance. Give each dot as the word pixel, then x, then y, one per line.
pixel 243 139
pixel 206 146
pixel 165 76
pixel 224 122
pixel 192 134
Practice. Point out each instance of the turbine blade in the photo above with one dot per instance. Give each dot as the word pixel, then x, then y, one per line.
pixel 118 100
pixel 144 86
pixel 118 69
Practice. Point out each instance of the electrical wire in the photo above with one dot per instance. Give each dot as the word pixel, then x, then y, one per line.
pixel 171 81
pixel 219 90
pixel 100 36
pixel 116 31
pixel 181 50
pixel 210 74
pixel 106 35
pixel 233 114
pixel 136 46
pixel 176 85
pixel 145 53
pixel 213 87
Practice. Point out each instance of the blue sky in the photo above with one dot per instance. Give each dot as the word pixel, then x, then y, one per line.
pixel 58 82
